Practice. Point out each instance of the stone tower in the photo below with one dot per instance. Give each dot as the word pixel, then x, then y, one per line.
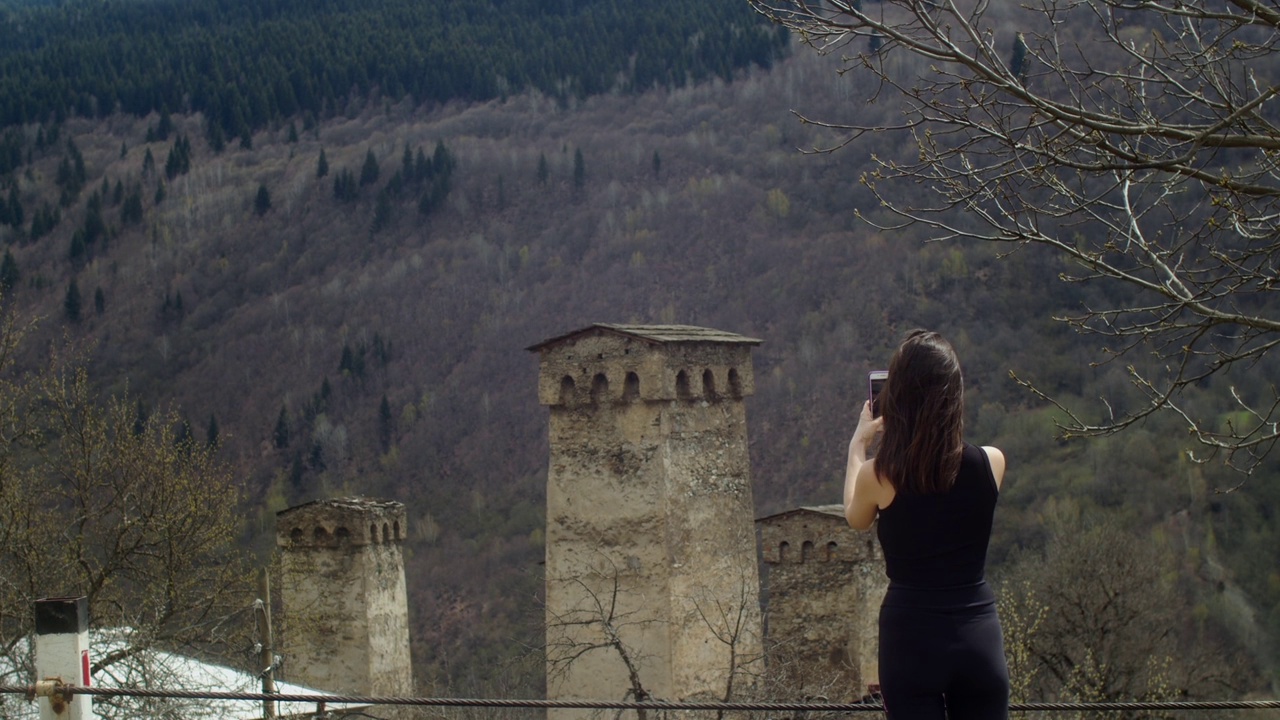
pixel 824 584
pixel 652 583
pixel 343 592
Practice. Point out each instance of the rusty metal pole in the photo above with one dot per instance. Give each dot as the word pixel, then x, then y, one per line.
pixel 62 651
pixel 266 654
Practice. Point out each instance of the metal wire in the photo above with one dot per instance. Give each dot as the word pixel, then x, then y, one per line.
pixel 30 691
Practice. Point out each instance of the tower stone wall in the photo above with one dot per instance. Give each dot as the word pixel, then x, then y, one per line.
pixel 824 584
pixel 652 583
pixel 343 595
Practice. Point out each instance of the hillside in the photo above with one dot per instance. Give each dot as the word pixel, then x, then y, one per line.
pixel 391 340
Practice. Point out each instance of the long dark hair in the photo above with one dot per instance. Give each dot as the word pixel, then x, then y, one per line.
pixel 923 408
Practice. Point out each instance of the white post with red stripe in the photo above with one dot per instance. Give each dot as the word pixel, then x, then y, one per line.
pixel 62 651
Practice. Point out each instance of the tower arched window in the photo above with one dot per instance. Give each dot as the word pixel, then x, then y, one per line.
pixel 599 389
pixel 806 551
pixel 831 551
pixel 735 383
pixel 709 384
pixel 783 547
pixel 567 390
pixel 682 386
pixel 631 390
pixel 373 533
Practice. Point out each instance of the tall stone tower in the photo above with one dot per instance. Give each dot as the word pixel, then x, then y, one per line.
pixel 652 585
pixel 824 584
pixel 343 592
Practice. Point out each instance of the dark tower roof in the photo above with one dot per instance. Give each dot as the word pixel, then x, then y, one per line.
pixel 654 334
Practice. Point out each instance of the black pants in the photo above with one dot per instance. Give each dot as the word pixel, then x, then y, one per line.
pixel 942 655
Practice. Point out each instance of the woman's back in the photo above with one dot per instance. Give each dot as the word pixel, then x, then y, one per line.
pixel 939 540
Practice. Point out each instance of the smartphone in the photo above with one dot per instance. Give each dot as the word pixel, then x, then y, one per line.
pixel 875 383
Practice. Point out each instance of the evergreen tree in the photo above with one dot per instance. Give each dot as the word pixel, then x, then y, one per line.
pixel 99 301
pixel 9 274
pixel 281 433
pixel 316 459
pixel 211 432
pixel 385 429
pixel 442 161
pixel 179 160
pixel 262 203
pixel 369 173
pixel 71 303
pixel 296 472
pixel 148 164
pixel 421 167
pixel 140 418
pixel 326 390
pixel 164 126
pixel 46 218
pixel 131 209
pixel 322 165
pixel 183 437
pixel 77 250
pixel 579 170
pixel 159 192
pixel 15 207
pixel 293 133
pixel 543 172
pixel 344 186
pixel 657 165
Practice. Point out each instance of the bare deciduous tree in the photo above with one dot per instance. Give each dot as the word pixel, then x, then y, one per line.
pixel 1138 139
pixel 95 503
pixel 604 627
pixel 1099 616
pixel 597 624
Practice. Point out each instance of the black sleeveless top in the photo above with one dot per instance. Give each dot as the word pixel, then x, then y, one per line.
pixel 940 540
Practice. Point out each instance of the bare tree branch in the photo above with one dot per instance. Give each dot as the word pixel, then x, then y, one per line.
pixel 1137 139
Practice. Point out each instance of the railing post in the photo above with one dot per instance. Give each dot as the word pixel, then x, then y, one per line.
pixel 62 651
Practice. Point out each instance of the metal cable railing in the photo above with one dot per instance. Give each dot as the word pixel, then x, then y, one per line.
pixel 48 688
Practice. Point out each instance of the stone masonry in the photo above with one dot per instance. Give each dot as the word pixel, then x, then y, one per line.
pixel 343 592
pixel 824 584
pixel 651 573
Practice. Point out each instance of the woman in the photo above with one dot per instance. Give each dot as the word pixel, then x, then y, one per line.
pixel 941 649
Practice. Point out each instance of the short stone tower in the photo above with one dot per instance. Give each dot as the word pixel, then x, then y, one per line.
pixel 343 592
pixel 824 584
pixel 652 584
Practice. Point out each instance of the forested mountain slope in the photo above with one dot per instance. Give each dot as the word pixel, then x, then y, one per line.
pixel 345 304
pixel 245 63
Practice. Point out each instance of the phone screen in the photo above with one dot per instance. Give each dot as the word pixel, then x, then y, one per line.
pixel 875 383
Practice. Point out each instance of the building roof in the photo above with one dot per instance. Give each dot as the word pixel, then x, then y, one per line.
pixel 159 670
pixel 834 510
pixel 348 503
pixel 653 334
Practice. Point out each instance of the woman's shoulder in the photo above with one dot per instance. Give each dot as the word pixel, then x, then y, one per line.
pixel 995 459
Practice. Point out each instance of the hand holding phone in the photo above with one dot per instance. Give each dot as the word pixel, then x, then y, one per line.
pixel 875 383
